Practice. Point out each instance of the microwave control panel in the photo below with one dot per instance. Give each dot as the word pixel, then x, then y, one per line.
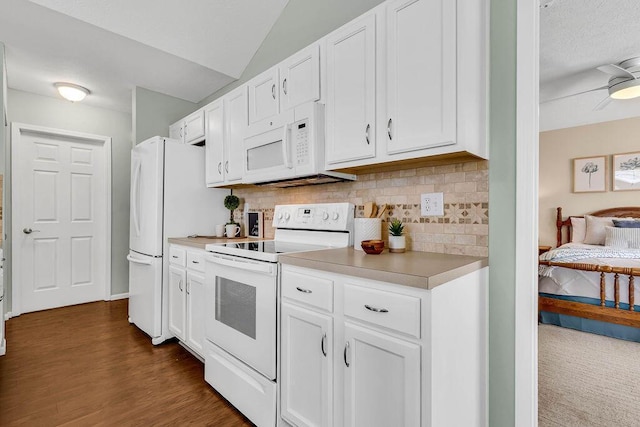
pixel 300 138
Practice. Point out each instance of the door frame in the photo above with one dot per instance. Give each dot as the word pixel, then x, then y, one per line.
pixel 16 131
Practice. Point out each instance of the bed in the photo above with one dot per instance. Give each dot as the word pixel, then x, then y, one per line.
pixel 589 286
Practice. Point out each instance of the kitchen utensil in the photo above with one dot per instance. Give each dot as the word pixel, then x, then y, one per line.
pixel 368 209
pixel 372 247
pixel 382 211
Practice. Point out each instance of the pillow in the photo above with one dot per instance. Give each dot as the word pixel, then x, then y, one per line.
pixel 626 223
pixel 578 230
pixel 618 237
pixel 595 234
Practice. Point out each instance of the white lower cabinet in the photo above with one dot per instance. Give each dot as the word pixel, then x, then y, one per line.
pixel 393 355
pixel 186 296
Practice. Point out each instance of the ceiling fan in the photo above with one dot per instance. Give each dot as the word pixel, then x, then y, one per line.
pixel 624 82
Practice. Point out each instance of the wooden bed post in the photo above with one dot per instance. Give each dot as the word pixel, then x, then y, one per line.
pixel 632 296
pixel 602 289
pixel 559 227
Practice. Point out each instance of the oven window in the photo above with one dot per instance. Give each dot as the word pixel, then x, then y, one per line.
pixel 236 306
pixel 265 156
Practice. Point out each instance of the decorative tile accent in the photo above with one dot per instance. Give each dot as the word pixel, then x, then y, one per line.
pixel 463 229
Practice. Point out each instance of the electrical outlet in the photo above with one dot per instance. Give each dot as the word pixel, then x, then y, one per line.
pixel 432 204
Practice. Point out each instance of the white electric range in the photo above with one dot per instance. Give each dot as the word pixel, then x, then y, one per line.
pixel 241 291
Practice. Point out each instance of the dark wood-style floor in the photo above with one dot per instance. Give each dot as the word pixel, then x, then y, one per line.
pixel 85 365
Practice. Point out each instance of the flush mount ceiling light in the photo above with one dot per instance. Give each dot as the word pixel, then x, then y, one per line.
pixel 71 92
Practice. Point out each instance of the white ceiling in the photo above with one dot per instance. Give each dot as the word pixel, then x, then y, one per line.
pixel 576 36
pixel 184 49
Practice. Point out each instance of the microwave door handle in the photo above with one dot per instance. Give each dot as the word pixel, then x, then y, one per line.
pixel 285 147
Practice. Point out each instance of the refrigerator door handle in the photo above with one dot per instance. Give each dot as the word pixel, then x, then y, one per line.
pixel 136 198
pixel 138 261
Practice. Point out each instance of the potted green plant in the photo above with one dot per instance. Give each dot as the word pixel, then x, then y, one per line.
pixel 232 228
pixel 397 242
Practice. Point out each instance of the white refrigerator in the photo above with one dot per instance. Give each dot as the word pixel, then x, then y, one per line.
pixel 169 198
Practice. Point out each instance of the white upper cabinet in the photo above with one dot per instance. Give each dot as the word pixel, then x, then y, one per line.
pixel 421 74
pixel 351 91
pixel 300 78
pixel 264 96
pixel 189 130
pixel 293 82
pixel 214 146
pixel 226 124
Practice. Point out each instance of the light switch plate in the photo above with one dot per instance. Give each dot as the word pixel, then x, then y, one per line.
pixel 432 204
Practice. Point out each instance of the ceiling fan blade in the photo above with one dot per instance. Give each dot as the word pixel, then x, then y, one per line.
pixel 602 104
pixel 574 94
pixel 616 71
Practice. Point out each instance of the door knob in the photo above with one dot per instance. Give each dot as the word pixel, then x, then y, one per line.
pixel 29 231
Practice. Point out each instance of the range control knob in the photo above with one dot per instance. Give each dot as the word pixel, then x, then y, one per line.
pixel 279 215
pixel 325 215
pixel 287 215
pixel 335 216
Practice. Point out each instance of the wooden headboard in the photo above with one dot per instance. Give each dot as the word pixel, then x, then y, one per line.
pixel 627 212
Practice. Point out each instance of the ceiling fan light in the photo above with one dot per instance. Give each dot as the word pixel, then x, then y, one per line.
pixel 71 92
pixel 626 90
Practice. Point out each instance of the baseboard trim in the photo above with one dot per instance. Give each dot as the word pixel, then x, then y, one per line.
pixel 119 296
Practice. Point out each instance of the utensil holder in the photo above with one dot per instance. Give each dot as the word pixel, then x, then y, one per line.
pixel 366 229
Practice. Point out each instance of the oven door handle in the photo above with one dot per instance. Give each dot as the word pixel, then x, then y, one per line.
pixel 242 263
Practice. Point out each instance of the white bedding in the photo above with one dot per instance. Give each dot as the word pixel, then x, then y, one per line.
pixel 565 281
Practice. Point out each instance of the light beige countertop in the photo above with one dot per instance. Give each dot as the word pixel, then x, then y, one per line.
pixel 201 241
pixel 424 270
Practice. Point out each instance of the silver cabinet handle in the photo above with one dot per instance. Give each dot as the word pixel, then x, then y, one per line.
pixel 375 309
pixel 219 168
pixel 195 262
pixel 304 291
pixel 226 166
pixel 273 91
pixel 174 256
pixel 389 123
pixel 346 347
pixel 180 285
pixel 181 132
pixel 187 287
pixel 29 231
pixel 185 130
pixel 322 344
pixel 366 133
pixel 284 86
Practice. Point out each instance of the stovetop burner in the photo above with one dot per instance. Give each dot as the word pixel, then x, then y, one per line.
pixel 273 246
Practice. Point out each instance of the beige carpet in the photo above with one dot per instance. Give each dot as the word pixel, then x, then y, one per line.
pixel 587 380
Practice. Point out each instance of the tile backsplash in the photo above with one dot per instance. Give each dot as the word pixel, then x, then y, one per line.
pixel 463 229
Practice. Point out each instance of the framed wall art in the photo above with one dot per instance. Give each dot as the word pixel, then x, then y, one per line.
pixel 590 174
pixel 626 171
pixel 254 224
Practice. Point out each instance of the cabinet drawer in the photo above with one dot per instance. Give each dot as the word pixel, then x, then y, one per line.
pixel 177 256
pixel 390 310
pixel 314 291
pixel 195 261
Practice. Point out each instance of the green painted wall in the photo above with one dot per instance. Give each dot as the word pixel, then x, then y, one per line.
pixel 502 202
pixel 301 23
pixel 153 113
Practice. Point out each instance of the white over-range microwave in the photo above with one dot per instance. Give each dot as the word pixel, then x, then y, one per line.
pixel 288 150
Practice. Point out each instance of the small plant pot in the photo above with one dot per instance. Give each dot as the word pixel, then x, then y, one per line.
pixel 397 244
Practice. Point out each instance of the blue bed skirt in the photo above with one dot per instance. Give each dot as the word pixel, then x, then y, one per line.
pixel 587 325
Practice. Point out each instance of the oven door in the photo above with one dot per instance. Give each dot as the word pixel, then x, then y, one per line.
pixel 240 300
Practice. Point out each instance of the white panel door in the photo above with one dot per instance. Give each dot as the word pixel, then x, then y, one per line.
pixel 214 145
pixel 264 96
pixel 351 91
pixel 177 301
pixel 235 109
pixel 60 200
pixel 307 367
pixel 382 379
pixel 421 74
pixel 147 174
pixel 300 78
pixel 195 312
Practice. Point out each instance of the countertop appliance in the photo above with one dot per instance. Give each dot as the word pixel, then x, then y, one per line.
pixel 288 150
pixel 168 198
pixel 241 297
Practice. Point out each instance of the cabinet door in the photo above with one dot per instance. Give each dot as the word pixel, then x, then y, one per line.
pixel 177 301
pixel 351 92
pixel 195 312
pixel 235 108
pixel 306 384
pixel 300 78
pixel 421 73
pixel 194 127
pixel 175 131
pixel 214 145
pixel 382 379
pixel 264 96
